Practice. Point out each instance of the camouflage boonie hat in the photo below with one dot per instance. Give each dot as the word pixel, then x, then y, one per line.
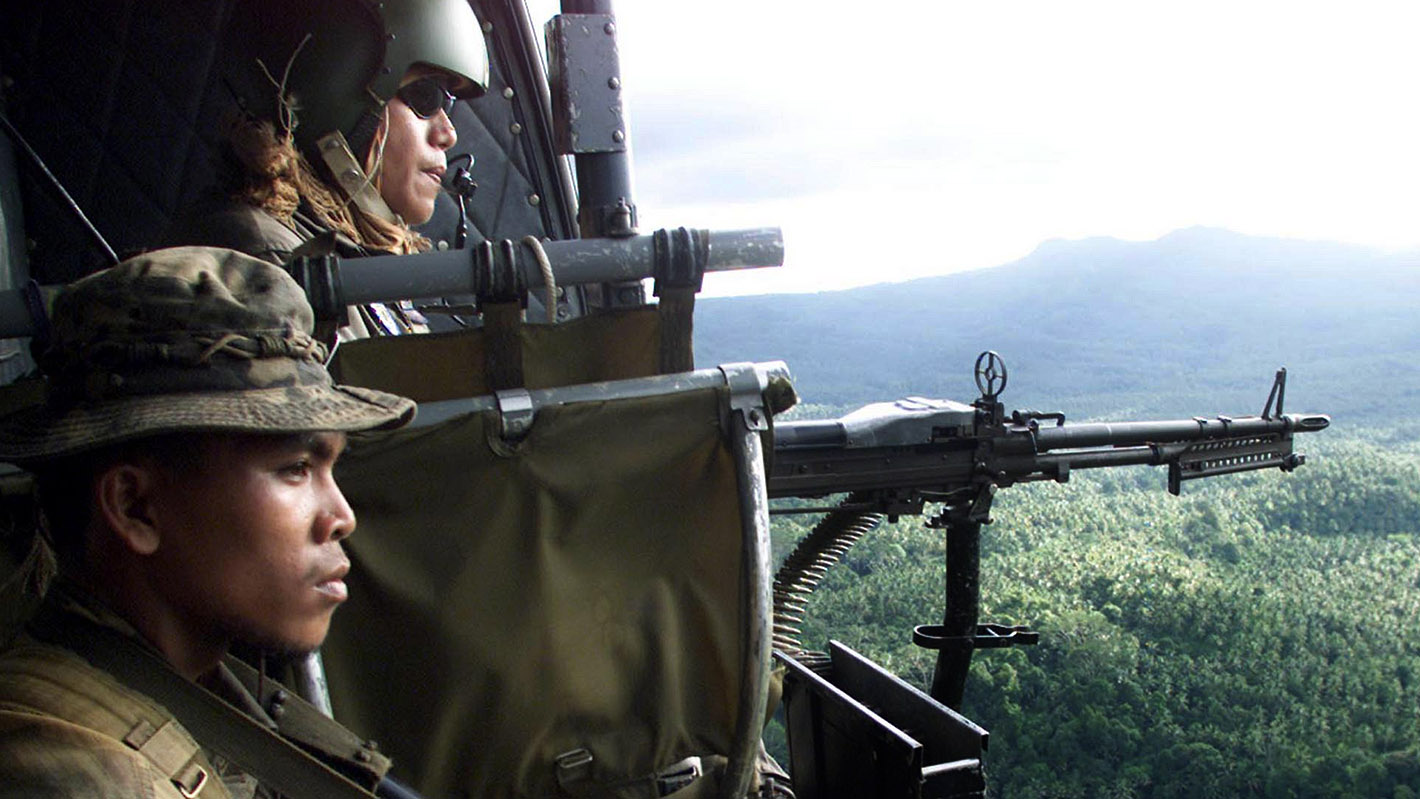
pixel 186 339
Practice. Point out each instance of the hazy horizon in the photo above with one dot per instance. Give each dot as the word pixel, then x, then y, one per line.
pixel 927 138
pixel 716 282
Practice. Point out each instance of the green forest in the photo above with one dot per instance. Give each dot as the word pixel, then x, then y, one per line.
pixel 1253 637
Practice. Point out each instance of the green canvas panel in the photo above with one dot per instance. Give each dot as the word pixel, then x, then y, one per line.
pixel 442 366
pixel 579 591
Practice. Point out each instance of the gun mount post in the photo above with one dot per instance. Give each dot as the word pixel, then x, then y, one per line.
pixel 958 630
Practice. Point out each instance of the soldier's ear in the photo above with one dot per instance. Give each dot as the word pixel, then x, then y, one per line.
pixel 124 498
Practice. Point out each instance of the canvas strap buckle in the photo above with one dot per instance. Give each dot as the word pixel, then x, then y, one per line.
pixel 172 752
pixel 574 767
pixel 678 775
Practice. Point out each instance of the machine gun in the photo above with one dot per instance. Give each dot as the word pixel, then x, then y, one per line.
pixel 902 457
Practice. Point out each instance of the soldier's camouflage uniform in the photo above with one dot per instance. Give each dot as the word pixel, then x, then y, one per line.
pixel 188 339
pixel 70 729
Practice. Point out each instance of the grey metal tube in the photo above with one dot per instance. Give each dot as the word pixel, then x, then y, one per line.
pixel 448 273
pixel 309 673
pixel 757 587
pixel 431 413
pixel 574 261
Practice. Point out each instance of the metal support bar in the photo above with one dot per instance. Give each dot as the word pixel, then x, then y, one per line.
pixel 449 273
pixel 431 413
pixel 747 420
pixel 445 273
pixel 311 685
pixel 584 73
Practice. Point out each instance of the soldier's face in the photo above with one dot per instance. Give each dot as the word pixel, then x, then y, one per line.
pixel 413 162
pixel 250 545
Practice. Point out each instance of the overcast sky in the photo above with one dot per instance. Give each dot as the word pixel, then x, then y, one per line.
pixel 906 138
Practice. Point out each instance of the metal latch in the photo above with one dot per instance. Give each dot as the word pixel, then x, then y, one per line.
pixel 515 413
pixel 678 775
pixel 747 386
pixel 574 767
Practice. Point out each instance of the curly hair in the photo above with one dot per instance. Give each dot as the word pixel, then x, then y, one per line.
pixel 263 168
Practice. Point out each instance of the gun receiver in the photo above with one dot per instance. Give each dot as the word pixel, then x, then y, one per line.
pixel 894 458
pixel 920 450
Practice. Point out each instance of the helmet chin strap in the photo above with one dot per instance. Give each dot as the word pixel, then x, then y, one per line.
pixel 336 154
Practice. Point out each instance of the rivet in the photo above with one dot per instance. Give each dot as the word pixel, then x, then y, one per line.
pixel 279 697
pixel 610 28
pixel 371 744
pixel 362 756
pixel 515 128
pixel 533 199
pixel 487 27
pixel 442 245
pixel 508 93
pixel 618 136
pixel 389 36
pixel 278 711
pixel 614 82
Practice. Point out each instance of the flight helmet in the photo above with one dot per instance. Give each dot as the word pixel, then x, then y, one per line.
pixel 323 67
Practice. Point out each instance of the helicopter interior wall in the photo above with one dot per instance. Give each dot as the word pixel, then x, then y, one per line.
pixel 124 102
pixel 14 267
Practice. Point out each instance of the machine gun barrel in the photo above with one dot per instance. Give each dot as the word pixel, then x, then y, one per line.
pixel 939 447
pixel 1123 434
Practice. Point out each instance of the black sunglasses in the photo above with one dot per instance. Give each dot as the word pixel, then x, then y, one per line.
pixel 426 96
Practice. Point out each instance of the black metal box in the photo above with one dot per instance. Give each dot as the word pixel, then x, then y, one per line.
pixel 859 731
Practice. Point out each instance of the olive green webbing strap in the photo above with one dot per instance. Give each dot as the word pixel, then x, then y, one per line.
pixel 503 356
pixel 265 755
pixel 677 310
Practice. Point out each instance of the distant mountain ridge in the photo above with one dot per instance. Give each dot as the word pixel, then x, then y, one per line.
pixel 1193 322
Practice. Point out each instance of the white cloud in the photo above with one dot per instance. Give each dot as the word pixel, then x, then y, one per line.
pixel 912 137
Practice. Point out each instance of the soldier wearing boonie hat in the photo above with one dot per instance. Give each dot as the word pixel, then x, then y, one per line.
pixel 184 461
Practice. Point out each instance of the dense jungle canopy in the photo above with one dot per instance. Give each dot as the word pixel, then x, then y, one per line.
pixel 1254 637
